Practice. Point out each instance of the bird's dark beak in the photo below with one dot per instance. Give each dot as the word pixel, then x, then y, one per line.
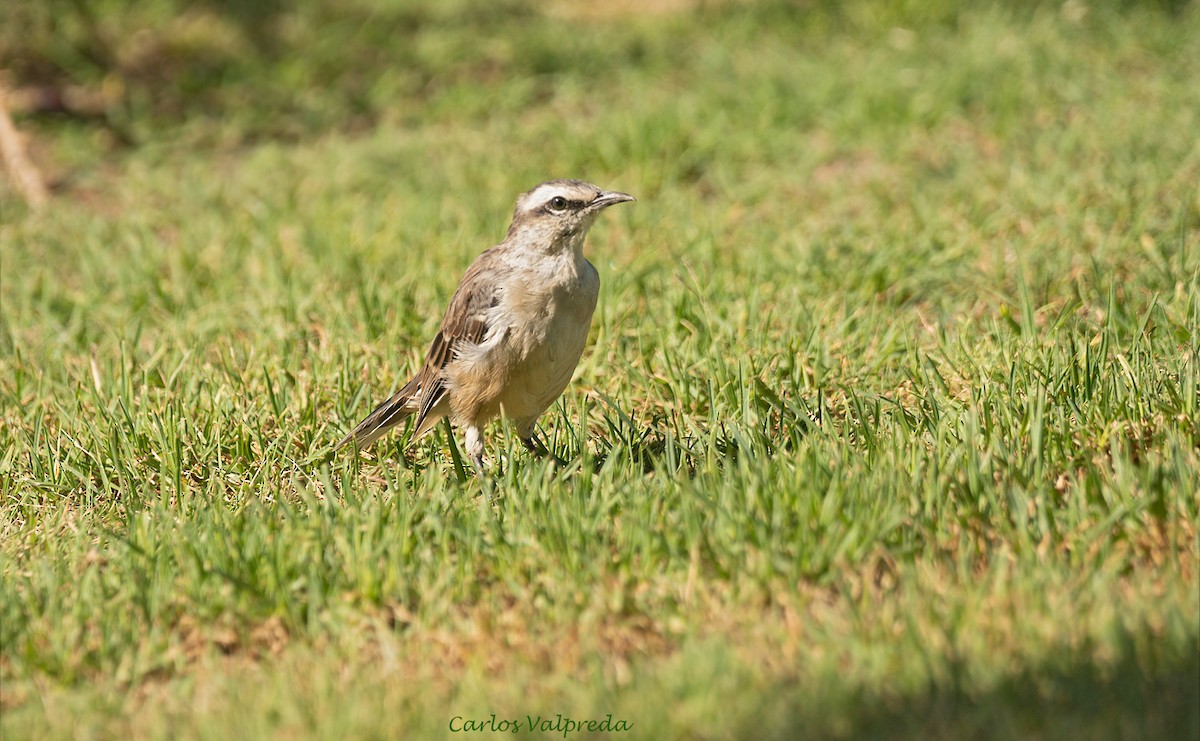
pixel 609 198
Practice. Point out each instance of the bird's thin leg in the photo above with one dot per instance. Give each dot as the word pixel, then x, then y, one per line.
pixel 474 446
pixel 535 447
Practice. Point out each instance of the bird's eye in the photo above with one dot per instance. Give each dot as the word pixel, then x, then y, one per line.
pixel 558 203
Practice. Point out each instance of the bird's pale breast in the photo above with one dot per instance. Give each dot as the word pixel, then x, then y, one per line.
pixel 538 335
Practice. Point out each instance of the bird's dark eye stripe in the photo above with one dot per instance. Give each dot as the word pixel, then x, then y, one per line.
pixel 558 203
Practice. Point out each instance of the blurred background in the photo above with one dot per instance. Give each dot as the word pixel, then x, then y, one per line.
pixel 91 80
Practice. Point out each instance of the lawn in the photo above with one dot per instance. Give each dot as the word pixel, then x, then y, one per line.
pixel 888 424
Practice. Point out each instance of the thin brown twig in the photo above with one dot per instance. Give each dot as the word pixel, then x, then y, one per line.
pixel 25 175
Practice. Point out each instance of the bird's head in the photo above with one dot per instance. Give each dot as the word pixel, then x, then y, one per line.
pixel 557 214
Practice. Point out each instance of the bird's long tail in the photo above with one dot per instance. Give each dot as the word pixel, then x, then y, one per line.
pixel 386 416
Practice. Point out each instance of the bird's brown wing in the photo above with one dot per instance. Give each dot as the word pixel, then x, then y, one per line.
pixel 465 323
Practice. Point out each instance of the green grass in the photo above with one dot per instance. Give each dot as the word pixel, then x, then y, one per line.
pixel 888 424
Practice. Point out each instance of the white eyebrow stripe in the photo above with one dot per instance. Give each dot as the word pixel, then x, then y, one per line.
pixel 550 195
pixel 539 199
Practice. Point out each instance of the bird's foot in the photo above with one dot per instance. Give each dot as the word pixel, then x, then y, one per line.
pixel 535 448
pixel 474 446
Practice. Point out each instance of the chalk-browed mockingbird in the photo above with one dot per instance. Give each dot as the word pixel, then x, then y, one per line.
pixel 516 326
